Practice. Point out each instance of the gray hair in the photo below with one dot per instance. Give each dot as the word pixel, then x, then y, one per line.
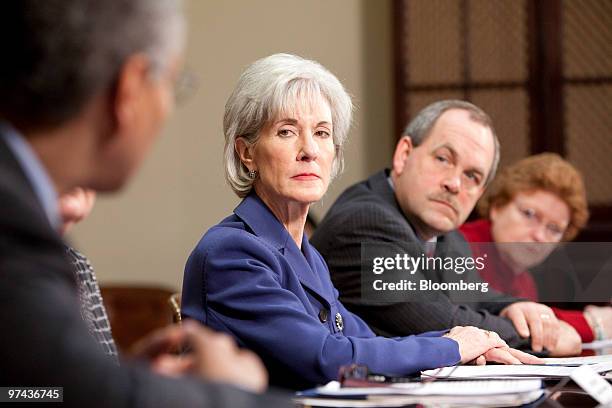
pixel 270 87
pixel 60 53
pixel 419 127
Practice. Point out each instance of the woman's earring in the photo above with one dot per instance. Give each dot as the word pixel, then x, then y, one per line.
pixel 252 174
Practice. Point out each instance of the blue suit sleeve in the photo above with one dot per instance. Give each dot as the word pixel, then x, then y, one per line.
pixel 243 291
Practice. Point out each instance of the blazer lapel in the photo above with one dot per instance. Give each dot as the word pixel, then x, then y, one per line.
pixel 264 224
pixel 305 268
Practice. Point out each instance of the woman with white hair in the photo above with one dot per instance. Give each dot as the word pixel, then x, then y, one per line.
pixel 256 276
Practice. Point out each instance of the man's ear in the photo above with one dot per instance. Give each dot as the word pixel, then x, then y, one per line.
pixel 132 80
pixel 245 152
pixel 402 150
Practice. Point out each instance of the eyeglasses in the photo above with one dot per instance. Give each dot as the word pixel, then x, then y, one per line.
pixel 533 218
pixel 184 85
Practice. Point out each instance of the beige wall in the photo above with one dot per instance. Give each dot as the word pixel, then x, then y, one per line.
pixel 145 234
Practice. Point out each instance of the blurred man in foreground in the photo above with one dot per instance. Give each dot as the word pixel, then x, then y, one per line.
pixel 86 85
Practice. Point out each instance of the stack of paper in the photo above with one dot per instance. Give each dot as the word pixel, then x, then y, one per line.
pixel 384 401
pixel 475 387
pixel 482 386
pixel 449 393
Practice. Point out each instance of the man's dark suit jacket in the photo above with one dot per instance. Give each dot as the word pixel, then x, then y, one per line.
pixel 368 212
pixel 44 340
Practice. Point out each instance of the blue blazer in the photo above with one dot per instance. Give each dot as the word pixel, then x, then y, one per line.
pixel 247 277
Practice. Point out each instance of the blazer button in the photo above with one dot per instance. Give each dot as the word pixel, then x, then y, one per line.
pixel 339 322
pixel 323 315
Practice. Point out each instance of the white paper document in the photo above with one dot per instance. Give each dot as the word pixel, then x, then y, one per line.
pixel 578 361
pixel 510 371
pixel 475 387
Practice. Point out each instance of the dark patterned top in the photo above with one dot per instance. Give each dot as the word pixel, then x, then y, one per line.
pixel 92 308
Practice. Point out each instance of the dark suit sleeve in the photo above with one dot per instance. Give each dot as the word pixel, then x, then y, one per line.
pixel 339 239
pixel 45 342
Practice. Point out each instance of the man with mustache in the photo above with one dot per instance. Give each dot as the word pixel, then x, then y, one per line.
pixel 441 166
